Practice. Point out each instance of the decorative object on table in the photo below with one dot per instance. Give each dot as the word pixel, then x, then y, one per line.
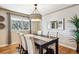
pixel 2 18
pixel 75 22
pixel 36 16
pixel 2 25
pixel 39 32
pixel 57 34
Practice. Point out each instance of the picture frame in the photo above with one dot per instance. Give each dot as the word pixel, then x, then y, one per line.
pixel 54 24
pixel 59 24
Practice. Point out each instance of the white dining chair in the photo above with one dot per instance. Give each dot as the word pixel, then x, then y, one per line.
pixel 23 43
pixel 31 45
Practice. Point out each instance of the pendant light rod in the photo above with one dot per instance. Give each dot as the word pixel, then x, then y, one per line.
pixel 35 6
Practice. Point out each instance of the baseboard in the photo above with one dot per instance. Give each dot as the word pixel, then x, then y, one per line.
pixel 59 44
pixel 3 45
pixel 67 46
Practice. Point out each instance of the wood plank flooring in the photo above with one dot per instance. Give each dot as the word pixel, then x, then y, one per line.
pixel 11 49
pixel 65 50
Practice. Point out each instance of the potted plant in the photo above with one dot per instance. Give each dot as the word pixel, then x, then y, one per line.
pixel 75 21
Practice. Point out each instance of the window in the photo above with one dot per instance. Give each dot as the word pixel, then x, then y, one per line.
pixel 19 23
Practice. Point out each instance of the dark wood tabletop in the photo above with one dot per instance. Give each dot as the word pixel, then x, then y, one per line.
pixel 43 44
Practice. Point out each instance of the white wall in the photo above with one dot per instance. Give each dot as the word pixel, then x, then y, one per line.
pixel 64 35
pixel 4 32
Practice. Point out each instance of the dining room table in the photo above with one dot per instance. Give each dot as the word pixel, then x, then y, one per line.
pixel 43 42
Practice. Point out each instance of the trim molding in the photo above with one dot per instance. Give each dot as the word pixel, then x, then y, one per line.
pixel 59 44
pixel 60 9
pixel 67 46
pixel 14 12
pixel 3 45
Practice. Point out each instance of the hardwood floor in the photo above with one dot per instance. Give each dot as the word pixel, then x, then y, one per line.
pixel 65 50
pixel 11 49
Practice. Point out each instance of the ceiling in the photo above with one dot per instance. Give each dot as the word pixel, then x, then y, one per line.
pixel 28 8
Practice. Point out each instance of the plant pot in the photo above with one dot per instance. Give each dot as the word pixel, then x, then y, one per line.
pixel 77 47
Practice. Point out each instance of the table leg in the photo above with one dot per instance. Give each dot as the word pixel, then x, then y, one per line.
pixel 56 47
pixel 40 50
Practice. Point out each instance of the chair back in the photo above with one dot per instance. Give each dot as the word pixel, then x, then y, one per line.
pixel 23 41
pixel 30 44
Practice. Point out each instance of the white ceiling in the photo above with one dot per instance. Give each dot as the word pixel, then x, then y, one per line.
pixel 28 8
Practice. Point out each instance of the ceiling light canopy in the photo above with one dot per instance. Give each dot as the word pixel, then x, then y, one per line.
pixel 36 16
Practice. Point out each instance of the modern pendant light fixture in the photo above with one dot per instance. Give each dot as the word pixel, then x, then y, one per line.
pixel 36 16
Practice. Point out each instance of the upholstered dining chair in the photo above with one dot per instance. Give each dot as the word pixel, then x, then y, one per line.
pixel 31 46
pixel 23 44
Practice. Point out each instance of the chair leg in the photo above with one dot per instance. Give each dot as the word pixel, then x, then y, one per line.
pixel 49 51
pixel 25 52
pixel 21 50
